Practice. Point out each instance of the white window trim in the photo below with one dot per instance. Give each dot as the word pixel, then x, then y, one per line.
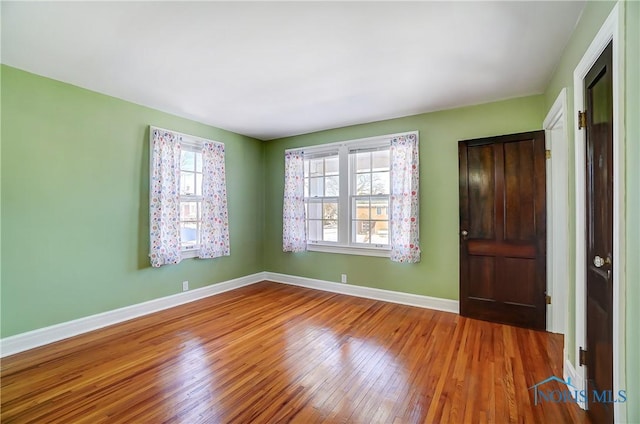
pixel 344 221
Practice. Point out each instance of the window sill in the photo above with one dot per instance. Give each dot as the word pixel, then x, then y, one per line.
pixel 349 250
pixel 191 253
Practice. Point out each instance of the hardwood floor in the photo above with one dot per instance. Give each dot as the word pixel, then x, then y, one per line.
pixel 271 353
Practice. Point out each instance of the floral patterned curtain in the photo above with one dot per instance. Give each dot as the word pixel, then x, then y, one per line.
pixel 164 210
pixel 294 233
pixel 405 229
pixel 215 219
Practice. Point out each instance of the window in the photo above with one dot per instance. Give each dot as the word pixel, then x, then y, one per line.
pixel 321 193
pixel 370 196
pixel 358 197
pixel 347 196
pixel 364 200
pixel 190 200
pixel 187 198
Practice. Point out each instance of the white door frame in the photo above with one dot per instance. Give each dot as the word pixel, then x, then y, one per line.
pixel 556 140
pixel 612 29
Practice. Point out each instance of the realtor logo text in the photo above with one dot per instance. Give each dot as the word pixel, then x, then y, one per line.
pixel 572 395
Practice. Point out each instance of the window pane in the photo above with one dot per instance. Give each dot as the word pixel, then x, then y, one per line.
pixel 316 167
pixel 330 210
pixel 363 184
pixel 306 168
pixel 331 165
pixel 363 162
pixel 314 210
pixel 380 183
pixel 332 186
pixel 362 231
pixel 380 232
pixel 316 187
pixel 198 157
pixel 379 208
pixel 362 209
pixel 187 183
pixel 330 231
pixel 380 160
pixel 306 187
pixel 315 230
pixel 198 184
pixel 187 160
pixel 189 234
pixel 188 211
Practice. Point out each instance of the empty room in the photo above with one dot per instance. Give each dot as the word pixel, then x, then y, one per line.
pixel 320 212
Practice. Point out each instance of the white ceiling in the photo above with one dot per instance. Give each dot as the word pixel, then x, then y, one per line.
pixel 273 69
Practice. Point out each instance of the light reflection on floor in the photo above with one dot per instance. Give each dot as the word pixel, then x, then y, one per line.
pixel 357 359
pixel 194 371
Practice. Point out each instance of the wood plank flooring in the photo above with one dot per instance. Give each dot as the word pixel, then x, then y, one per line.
pixel 272 353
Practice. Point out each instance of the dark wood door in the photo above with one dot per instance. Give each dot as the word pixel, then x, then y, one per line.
pixel 503 230
pixel 598 86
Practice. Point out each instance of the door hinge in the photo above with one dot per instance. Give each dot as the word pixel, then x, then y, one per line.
pixel 582 119
pixel 547 154
pixel 582 356
pixel 547 299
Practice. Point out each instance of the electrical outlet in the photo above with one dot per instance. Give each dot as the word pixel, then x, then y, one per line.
pixel 344 278
pixel 185 285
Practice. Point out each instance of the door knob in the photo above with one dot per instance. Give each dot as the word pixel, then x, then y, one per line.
pixel 598 261
pixel 464 234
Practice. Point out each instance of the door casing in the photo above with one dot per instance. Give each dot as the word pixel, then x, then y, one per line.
pixel 556 138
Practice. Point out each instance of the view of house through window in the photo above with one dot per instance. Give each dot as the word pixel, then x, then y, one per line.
pixel 370 196
pixel 190 198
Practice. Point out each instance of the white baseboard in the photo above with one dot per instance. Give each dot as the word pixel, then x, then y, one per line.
pixel 42 336
pixel 420 301
pixel 569 372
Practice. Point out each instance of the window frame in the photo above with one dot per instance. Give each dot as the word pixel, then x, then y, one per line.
pixel 189 144
pixel 308 199
pixel 347 173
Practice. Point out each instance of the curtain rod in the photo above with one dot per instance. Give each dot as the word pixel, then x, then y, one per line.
pixel 347 142
pixel 192 137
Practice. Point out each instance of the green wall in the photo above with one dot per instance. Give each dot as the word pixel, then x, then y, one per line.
pixel 437 273
pixel 75 177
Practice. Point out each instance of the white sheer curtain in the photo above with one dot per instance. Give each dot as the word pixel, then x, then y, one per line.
pixel 214 240
pixel 294 233
pixel 405 228
pixel 164 208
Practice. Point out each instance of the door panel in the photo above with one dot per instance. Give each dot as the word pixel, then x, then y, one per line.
pixel 482 267
pixel 599 170
pixel 503 233
pixel 482 222
pixel 520 292
pixel 518 174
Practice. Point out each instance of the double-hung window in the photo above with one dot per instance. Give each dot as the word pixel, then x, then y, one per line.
pixel 369 196
pixel 348 196
pixel 190 199
pixel 358 197
pixel 355 213
pixel 322 196
pixel 187 198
